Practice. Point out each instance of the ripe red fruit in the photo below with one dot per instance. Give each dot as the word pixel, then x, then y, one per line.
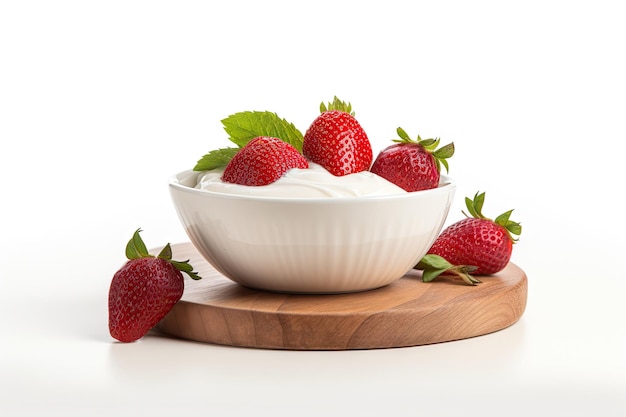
pixel 262 161
pixel 336 140
pixel 144 290
pixel 478 241
pixel 412 165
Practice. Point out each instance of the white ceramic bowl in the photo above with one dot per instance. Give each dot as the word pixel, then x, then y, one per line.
pixel 311 245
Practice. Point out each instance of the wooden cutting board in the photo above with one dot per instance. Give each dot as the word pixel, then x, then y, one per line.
pixel 407 312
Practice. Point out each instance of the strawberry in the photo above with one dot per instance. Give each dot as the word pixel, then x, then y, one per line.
pixel 412 165
pixel 480 245
pixel 144 290
pixel 336 140
pixel 262 161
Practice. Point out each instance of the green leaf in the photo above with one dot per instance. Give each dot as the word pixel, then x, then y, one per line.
pixel 445 151
pixel 131 251
pixel 433 261
pixel 403 135
pixel 216 159
pixel 430 274
pixel 435 265
pixel 166 253
pixel 186 268
pixel 183 266
pixel 135 248
pixel 245 126
pixel 475 206
pixel 428 143
pixel 479 201
pixel 469 203
pixel 432 266
pixel 514 228
pixel 503 219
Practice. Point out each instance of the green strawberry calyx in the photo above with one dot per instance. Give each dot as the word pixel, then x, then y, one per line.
pixel 433 266
pixel 136 249
pixel 475 208
pixel 430 145
pixel 337 104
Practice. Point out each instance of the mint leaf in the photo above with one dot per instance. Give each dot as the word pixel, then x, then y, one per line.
pixel 433 261
pixel 215 159
pixel 245 126
pixel 433 266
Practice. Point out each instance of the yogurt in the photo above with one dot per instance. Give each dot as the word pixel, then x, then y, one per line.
pixel 313 182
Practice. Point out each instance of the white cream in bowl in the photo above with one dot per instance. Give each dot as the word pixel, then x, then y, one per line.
pixel 314 182
pixel 310 244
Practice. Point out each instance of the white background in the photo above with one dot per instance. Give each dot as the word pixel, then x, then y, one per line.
pixel 100 102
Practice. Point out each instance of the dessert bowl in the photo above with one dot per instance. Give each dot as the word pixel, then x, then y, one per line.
pixel 311 245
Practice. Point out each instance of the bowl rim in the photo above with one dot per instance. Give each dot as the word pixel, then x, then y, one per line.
pixel 446 183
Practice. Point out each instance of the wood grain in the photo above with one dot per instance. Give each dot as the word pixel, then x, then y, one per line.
pixel 407 312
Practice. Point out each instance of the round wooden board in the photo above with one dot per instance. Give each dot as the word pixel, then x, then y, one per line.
pixel 407 312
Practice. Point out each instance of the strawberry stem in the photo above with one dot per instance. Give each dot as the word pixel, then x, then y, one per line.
pixel 337 104
pixel 435 265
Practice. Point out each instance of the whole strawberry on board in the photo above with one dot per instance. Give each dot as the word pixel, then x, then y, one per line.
pixel 475 245
pixel 144 290
pixel 336 140
pixel 263 161
pixel 412 165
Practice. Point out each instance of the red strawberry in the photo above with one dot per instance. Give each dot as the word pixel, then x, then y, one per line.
pixel 144 290
pixel 262 161
pixel 484 244
pixel 413 165
pixel 336 140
